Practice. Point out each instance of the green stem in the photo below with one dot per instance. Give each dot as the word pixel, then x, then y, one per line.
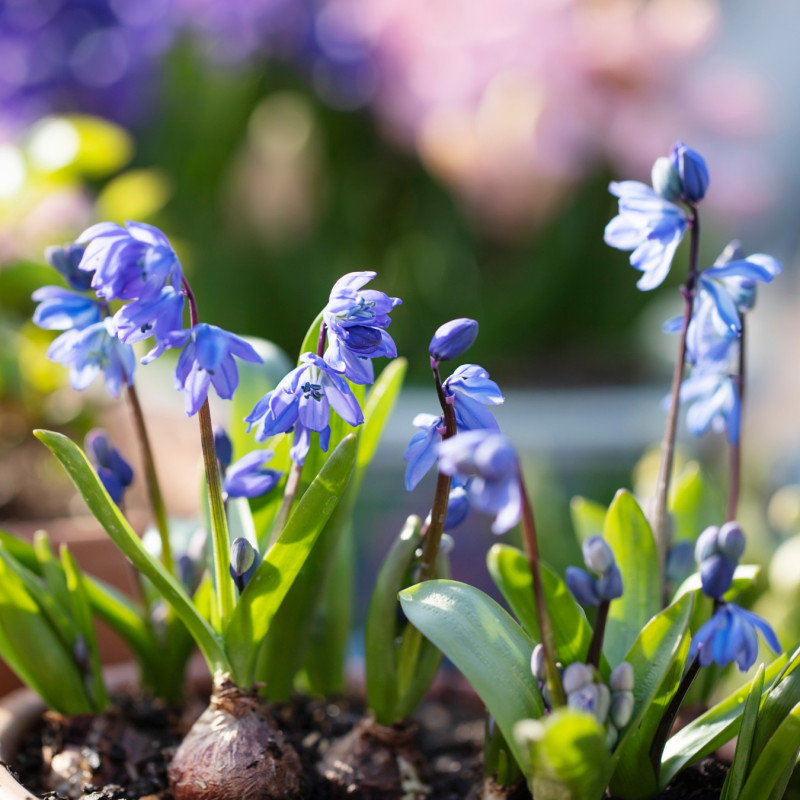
pixel 219 525
pixel 659 519
pixel 151 478
pixel 735 476
pixel 542 615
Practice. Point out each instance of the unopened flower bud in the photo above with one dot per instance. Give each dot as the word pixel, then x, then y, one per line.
pixel 583 586
pixel 609 585
pixel 597 555
pixel 731 540
pixel 716 575
pixel 576 676
pixel 621 709
pixel 223 447
pixel 693 172
pixel 453 338
pixel 706 545
pixel 538 668
pixel 621 678
pixel 594 698
pixel 243 555
pixel 457 508
pixel 665 178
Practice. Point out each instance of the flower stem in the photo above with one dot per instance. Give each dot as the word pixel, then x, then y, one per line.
pixel 151 478
pixel 542 615
pixel 596 645
pixel 659 518
pixel 735 477
pixel 219 525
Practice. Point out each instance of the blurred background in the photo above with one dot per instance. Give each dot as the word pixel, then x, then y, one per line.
pixel 459 148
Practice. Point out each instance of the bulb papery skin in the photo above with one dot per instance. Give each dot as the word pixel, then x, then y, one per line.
pixel 235 752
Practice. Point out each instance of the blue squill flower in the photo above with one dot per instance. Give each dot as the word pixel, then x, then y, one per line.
pixel 715 403
pixel 223 447
pixel 458 506
pixel 599 558
pixel 61 309
pixel 66 260
pixel 250 476
pixel 711 345
pixel 649 225
pixel 692 171
pixel 302 401
pixel 92 350
pixel 730 635
pixel 717 552
pixel 207 359
pixel 159 316
pixel 357 320
pixel 489 459
pixel 129 263
pixel 113 470
pixel 452 339
pixel 423 449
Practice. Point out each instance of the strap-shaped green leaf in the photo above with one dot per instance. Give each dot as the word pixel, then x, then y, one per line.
pixel 273 578
pixel 511 573
pixel 485 643
pixel 50 569
pixel 628 533
pixel 116 526
pixel 588 517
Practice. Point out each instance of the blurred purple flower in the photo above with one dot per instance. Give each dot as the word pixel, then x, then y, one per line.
pixel 250 476
pixel 113 470
pixel 61 309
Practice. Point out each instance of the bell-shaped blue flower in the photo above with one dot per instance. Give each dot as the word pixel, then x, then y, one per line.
pixel 159 316
pixel 423 449
pixel 92 350
pixel 113 470
pixel 458 506
pixel 61 309
pixel 730 635
pixel 692 170
pixel 583 586
pixel 357 320
pixel 129 263
pixel 302 401
pixel 208 359
pixel 223 447
pixel 250 476
pixel 490 461
pixel 452 339
pixel 649 225
pixel 714 403
pixel 66 261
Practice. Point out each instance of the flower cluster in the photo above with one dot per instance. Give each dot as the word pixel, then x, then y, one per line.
pixel 599 558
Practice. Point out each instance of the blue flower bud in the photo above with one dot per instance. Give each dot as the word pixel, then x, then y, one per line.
pixel 457 507
pixel 243 556
pixel 716 575
pixel 621 678
pixel 706 545
pixel 609 585
pixel 731 541
pixel 693 172
pixel 583 586
pixel 621 709
pixel 113 470
pixel 597 555
pixel 223 447
pixel 576 677
pixel 453 338
pixel 594 698
pixel 666 180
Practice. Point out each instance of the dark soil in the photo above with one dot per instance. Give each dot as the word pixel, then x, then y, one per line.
pixel 124 754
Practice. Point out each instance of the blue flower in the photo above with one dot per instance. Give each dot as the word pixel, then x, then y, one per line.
pixel 649 225
pixel 61 309
pixel 66 261
pixel 717 552
pixel 92 350
pixel 452 339
pixel 711 345
pixel 223 447
pixel 489 459
pixel 207 358
pixel 244 562
pixel 692 171
pixel 250 476
pixel 159 316
pixel 302 401
pixel 598 557
pixel 458 506
pixel 356 320
pixel 129 263
pixel 470 390
pixel 113 470
pixel 715 403
pixel 730 635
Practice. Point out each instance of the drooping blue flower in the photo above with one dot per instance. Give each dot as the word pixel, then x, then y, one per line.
pixel 223 447
pixel 715 403
pixel 730 635
pixel 250 476
pixel 490 461
pixel 649 225
pixel 92 350
pixel 692 171
pixel 113 470
pixel 357 320
pixel 207 359
pixel 452 339
pixel 66 260
pixel 131 263
pixel 159 316
pixel 61 309
pixel 458 506
pixel 302 401
pixel 712 347
pixel 470 390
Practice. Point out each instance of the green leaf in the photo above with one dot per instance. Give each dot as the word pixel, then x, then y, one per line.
pixel 82 615
pixel 273 578
pixel 116 526
pixel 568 755
pixel 692 507
pixel 712 729
pixel 779 751
pixel 744 745
pixel 588 518
pixel 51 570
pixel 511 573
pixel 656 657
pixel 627 532
pixel 780 700
pixel 311 338
pixel 483 641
